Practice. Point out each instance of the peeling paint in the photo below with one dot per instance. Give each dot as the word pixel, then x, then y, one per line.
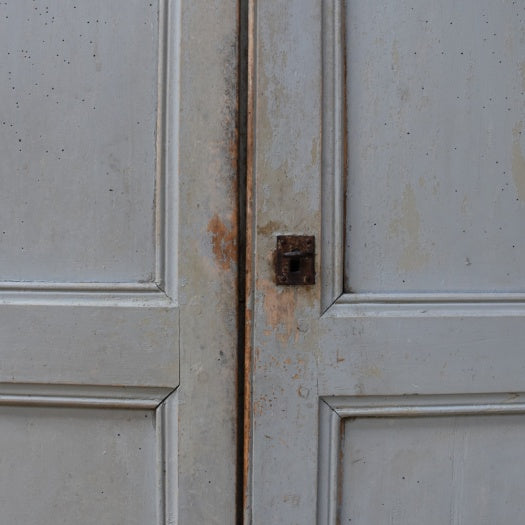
pixel 518 161
pixel 408 226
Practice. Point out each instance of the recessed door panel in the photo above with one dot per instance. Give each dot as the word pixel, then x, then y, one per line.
pixel 89 466
pixel 79 140
pixel 464 469
pixel 435 101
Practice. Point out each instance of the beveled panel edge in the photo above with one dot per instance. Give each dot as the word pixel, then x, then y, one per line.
pixel 427 405
pixel 428 305
pixel 329 465
pixel 167 146
pixel 333 410
pixel 333 162
pixel 86 294
pixel 167 459
pixel 82 396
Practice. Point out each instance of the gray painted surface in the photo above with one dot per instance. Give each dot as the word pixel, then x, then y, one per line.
pixel 436 96
pixel 422 377
pixel 78 125
pixel 117 323
pixel 433 470
pixel 84 466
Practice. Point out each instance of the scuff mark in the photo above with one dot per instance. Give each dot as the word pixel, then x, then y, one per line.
pixel 269 228
pixel 279 307
pixel 371 371
pixel 518 161
pixel 313 152
pixel 224 242
pixel 395 56
pixel 408 223
pixel 464 205
pixel 233 151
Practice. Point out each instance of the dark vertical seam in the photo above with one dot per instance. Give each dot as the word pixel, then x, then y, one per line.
pixel 242 116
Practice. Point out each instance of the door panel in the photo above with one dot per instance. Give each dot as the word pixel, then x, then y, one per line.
pixel 431 470
pixel 436 93
pixel 391 132
pixel 97 465
pixel 68 74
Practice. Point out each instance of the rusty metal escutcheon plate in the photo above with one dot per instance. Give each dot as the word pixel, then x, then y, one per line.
pixel 295 260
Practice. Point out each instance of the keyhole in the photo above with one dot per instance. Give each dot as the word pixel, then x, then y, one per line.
pixel 295 265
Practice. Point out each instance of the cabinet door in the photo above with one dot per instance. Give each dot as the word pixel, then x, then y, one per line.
pixel 391 390
pixel 116 306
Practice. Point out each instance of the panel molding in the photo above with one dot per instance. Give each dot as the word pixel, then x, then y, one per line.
pixel 334 410
pixel 87 294
pixel 166 200
pixel 167 457
pixel 168 109
pixel 82 396
pixel 428 305
pixel 333 162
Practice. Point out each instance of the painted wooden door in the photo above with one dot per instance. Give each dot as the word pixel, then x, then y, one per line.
pixel 391 391
pixel 117 261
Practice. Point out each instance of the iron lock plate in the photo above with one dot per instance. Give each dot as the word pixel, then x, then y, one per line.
pixel 295 260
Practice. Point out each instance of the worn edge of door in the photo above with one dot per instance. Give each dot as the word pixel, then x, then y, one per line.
pixel 249 262
pixel 205 157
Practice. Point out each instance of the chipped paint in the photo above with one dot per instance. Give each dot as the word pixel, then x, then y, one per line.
pixel 518 161
pixel 224 242
pixel 407 226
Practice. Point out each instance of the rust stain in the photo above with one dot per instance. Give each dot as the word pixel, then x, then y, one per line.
pixel 224 242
